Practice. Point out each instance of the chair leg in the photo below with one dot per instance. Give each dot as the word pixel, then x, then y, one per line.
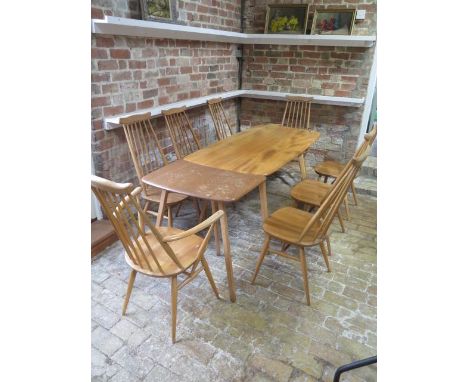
pixel 195 206
pixel 178 208
pixel 174 306
pixel 209 276
pixel 328 246
pixel 264 251
pixel 353 189
pixel 169 216
pixel 325 255
pixel 131 280
pixel 340 218
pixel 204 205
pixel 304 274
pixel 216 230
pixel 347 207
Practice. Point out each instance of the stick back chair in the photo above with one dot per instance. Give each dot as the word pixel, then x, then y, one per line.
pixel 147 156
pixel 221 123
pixel 297 112
pixel 303 229
pixel 331 169
pixel 313 192
pixel 164 252
pixel 180 129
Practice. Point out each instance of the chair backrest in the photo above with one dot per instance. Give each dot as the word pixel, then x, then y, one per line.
pixel 222 127
pixel 373 133
pixel 120 203
pixel 367 142
pixel 322 219
pixel 146 151
pixel 180 129
pixel 297 112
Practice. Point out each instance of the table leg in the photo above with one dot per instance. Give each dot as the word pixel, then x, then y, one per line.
pixel 263 200
pixel 302 166
pixel 162 207
pixel 227 253
pixel 216 230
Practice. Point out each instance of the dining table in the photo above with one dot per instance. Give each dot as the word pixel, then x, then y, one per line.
pixel 227 170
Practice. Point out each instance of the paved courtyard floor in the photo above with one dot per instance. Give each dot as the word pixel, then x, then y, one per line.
pixel 269 334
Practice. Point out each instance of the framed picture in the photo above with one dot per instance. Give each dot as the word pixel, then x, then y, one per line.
pixel 284 18
pixel 333 21
pixel 156 10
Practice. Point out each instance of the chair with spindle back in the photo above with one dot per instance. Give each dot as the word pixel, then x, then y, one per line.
pixel 221 123
pixel 183 137
pixel 297 115
pixel 184 140
pixel 313 192
pixel 147 156
pixel 297 112
pixel 164 252
pixel 331 169
pixel 302 229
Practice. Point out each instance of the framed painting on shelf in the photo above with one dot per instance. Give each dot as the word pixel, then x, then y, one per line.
pixel 333 21
pixel 287 18
pixel 156 10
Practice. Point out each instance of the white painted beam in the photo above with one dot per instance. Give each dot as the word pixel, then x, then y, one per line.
pixel 302 39
pixel 111 123
pixel 120 26
pixel 142 28
pixel 368 100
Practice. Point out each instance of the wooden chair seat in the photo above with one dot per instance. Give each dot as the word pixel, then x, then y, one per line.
pixel 304 229
pixel 159 252
pixel 186 251
pixel 311 192
pixel 329 168
pixel 153 194
pixel 287 224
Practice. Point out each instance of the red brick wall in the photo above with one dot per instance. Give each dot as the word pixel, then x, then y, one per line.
pixel 214 14
pixel 330 71
pixel 131 73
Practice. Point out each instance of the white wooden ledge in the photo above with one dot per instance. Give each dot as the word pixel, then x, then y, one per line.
pixel 111 123
pixel 119 26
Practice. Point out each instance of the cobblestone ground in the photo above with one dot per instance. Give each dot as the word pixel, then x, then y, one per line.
pixel 269 334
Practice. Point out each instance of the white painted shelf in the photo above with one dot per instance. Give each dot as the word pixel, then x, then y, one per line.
pixel 119 26
pixel 111 123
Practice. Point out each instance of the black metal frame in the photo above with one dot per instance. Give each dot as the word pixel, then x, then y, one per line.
pixel 352 366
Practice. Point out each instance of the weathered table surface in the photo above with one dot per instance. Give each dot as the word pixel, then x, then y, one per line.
pixel 209 183
pixel 203 182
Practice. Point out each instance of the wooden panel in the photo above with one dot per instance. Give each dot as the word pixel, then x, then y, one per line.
pixel 261 150
pixel 203 182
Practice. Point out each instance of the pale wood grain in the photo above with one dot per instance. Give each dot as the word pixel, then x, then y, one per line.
pixel 184 139
pixel 221 123
pixel 157 252
pixel 261 150
pixel 302 229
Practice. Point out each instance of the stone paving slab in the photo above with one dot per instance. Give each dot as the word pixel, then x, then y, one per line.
pixel 269 334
